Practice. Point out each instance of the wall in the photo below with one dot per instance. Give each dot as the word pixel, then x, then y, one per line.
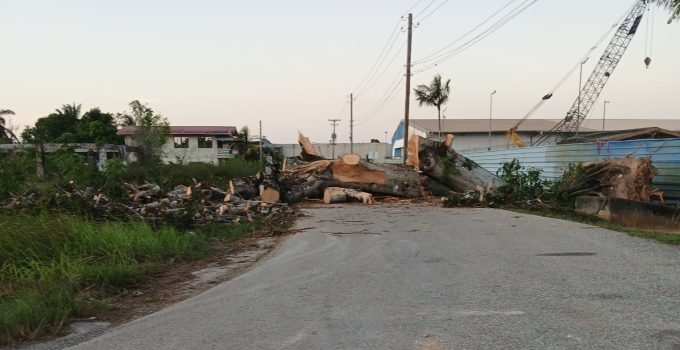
pixel 375 151
pixel 554 159
pixel 186 155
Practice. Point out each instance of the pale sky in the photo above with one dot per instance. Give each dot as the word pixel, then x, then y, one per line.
pixel 292 63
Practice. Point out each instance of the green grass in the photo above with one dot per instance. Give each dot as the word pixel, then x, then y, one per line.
pixel 55 267
pixel 570 215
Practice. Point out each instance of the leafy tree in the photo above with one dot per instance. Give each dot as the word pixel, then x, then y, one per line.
pixel 65 125
pixel 151 133
pixel 98 127
pixel 57 127
pixel 673 7
pixel 436 94
pixel 246 149
pixel 6 134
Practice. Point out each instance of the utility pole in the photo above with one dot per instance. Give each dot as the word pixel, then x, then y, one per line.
pixel 408 85
pixel 261 153
pixel 334 136
pixel 351 123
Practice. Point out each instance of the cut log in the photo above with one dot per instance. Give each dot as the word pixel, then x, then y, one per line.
pixel 270 194
pixel 339 195
pixel 351 159
pixel 308 152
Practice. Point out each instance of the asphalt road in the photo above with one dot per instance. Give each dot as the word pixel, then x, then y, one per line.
pixel 400 277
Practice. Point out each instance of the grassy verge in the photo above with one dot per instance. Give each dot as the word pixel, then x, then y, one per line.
pixel 567 214
pixel 57 267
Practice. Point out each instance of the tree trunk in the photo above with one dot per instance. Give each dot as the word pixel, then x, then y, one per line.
pixel 452 169
pixel 439 120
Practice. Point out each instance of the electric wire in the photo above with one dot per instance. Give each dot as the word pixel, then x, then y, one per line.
pixel 464 35
pixel 387 67
pixel 389 44
pixel 391 91
pixel 424 9
pixel 431 13
pixel 572 70
pixel 497 25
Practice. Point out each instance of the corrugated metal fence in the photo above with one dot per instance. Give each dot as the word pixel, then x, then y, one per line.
pixel 554 159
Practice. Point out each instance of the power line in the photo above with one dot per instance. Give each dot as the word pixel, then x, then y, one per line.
pixel 389 44
pixel 464 35
pixel 431 12
pixel 456 51
pixel 425 8
pixel 387 67
pixel 389 94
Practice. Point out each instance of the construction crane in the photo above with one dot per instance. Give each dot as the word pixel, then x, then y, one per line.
pixel 592 88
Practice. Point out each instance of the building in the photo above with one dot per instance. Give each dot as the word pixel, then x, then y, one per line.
pixel 477 134
pixel 374 151
pixel 187 144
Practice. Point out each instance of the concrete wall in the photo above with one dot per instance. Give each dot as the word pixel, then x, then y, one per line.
pixel 375 151
pixel 185 155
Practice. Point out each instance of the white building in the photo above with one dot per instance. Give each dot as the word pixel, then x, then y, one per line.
pixel 187 144
pixel 473 134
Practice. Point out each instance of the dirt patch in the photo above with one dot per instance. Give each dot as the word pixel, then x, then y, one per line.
pixel 180 280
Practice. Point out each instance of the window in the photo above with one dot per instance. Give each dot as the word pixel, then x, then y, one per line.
pixel 205 142
pixel 181 142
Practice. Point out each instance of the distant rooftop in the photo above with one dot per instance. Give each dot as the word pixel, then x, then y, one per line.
pixel 189 130
pixel 538 125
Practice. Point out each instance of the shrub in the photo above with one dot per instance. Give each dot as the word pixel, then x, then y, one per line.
pixel 521 184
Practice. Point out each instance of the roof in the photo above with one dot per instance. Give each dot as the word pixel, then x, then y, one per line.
pixel 626 135
pixel 188 130
pixel 538 125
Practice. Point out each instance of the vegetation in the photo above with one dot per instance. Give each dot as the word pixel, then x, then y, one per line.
pixel 54 267
pixel 67 125
pixel 559 212
pixel 521 184
pixel 436 94
pixel 151 132
pixel 673 7
pixel 6 134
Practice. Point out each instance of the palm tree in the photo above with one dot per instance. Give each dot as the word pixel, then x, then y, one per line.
pixel 673 6
pixel 71 111
pixel 6 133
pixel 436 94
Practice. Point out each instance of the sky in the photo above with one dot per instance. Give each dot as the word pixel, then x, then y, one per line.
pixel 292 64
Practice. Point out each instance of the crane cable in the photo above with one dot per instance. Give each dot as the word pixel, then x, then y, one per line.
pixel 570 72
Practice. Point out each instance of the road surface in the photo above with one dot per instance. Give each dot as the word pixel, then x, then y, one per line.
pixel 416 277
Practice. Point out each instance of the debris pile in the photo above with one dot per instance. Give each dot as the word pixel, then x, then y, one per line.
pixel 196 204
pixel 627 178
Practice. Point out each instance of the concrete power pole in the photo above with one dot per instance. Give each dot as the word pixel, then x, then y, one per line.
pixel 334 136
pixel 351 123
pixel 261 154
pixel 408 85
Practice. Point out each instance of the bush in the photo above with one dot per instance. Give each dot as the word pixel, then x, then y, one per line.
pixel 522 184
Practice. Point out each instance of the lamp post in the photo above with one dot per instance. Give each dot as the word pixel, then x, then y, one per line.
pixel 580 88
pixel 490 115
pixel 604 113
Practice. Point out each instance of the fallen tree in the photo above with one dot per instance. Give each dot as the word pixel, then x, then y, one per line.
pixel 440 162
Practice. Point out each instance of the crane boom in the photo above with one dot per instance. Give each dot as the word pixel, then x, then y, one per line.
pixel 604 68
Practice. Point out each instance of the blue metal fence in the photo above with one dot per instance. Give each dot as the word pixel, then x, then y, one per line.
pixel 554 159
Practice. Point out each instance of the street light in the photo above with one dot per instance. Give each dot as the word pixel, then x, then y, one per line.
pixel 580 87
pixel 490 115
pixel 604 113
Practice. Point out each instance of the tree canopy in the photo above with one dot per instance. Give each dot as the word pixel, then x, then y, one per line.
pixel 66 125
pixel 673 7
